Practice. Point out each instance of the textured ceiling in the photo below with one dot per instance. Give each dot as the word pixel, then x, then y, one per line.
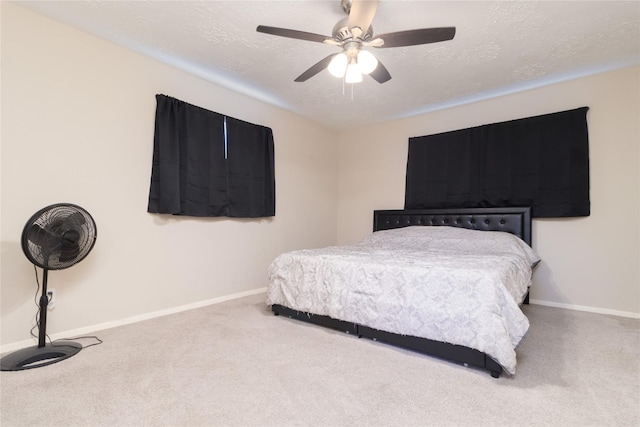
pixel 499 47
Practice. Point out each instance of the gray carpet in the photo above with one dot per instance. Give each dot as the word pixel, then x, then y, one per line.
pixel 236 364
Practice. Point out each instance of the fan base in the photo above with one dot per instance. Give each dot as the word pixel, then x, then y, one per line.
pixel 35 357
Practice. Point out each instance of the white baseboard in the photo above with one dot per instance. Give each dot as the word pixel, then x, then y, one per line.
pixel 587 308
pixel 139 318
pixel 134 319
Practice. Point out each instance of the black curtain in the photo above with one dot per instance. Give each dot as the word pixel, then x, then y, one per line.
pixel 541 161
pixel 250 170
pixel 208 164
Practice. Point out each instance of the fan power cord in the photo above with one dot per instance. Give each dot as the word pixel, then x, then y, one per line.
pixel 98 341
pixel 37 324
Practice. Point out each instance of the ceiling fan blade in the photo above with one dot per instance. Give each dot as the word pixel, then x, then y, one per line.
pixel 361 15
pixel 292 34
pixel 416 37
pixel 380 73
pixel 315 69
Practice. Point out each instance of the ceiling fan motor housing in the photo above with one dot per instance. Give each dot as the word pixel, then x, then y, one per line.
pixel 341 31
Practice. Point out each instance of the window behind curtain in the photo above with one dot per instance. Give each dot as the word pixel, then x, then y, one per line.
pixel 541 161
pixel 208 164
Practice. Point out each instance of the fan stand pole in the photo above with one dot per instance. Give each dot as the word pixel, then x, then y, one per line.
pixel 44 303
pixel 44 354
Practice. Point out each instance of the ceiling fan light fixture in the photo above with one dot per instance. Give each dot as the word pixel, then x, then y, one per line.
pixel 367 62
pixel 353 74
pixel 338 65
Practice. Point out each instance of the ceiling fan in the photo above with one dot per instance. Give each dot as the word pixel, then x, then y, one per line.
pixel 352 34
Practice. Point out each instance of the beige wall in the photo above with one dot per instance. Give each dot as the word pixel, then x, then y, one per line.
pixel 77 126
pixel 589 263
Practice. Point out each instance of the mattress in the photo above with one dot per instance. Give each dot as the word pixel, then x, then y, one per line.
pixel 446 284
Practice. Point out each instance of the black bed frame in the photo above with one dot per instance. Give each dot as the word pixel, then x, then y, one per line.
pixel 515 220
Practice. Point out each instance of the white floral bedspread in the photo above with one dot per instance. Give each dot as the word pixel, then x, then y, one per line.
pixel 442 283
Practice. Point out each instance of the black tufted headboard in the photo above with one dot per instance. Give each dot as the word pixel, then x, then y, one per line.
pixel 512 220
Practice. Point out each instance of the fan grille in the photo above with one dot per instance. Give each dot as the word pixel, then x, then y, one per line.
pixel 59 236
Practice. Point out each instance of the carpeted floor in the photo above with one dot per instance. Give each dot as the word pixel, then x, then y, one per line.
pixel 236 364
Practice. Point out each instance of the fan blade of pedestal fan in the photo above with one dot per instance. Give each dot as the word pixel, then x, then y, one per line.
pixel 70 246
pixel 76 217
pixel 41 236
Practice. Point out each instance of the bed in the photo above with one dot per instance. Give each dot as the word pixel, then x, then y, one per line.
pixel 443 282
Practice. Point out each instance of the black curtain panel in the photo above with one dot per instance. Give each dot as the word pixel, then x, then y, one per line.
pixel 251 185
pixel 208 164
pixel 541 161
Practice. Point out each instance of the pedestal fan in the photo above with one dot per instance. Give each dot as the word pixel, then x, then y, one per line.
pixel 56 237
